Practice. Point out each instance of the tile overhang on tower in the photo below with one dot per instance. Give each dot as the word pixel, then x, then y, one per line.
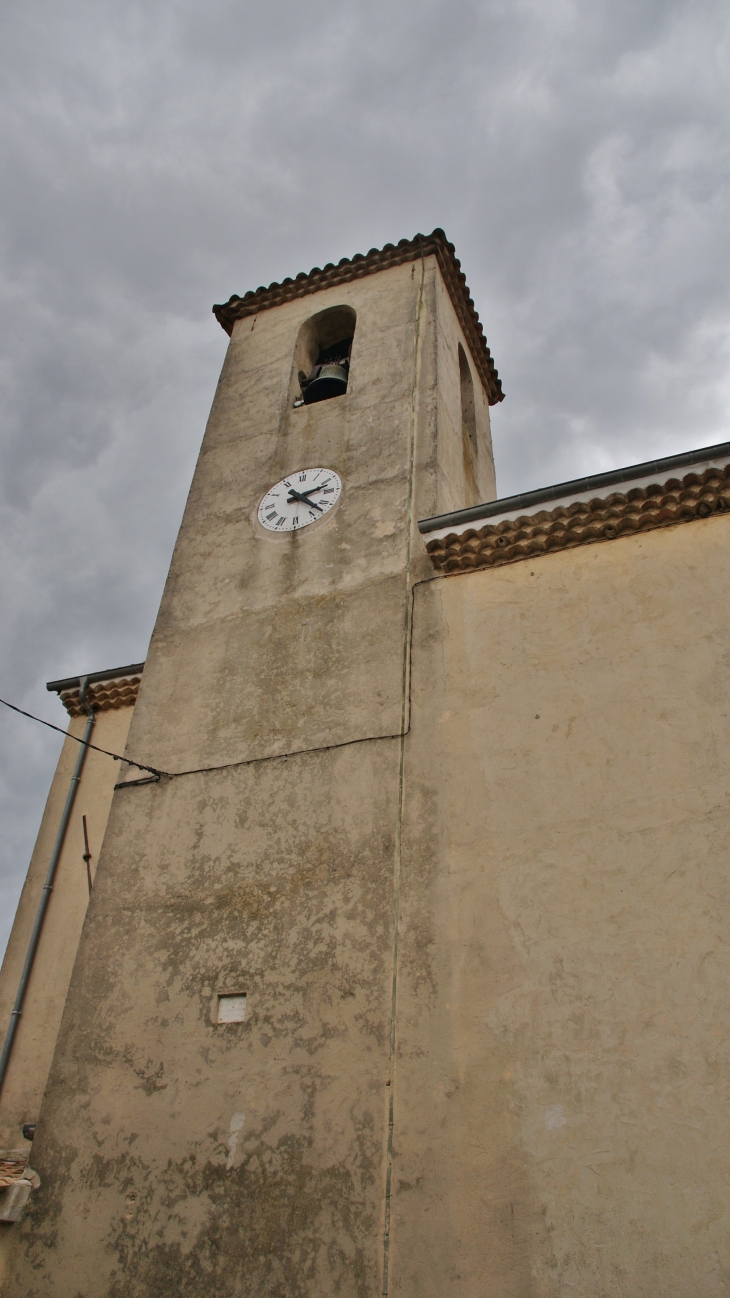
pixel 117 687
pixel 423 245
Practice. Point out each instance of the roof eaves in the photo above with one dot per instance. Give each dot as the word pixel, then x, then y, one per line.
pixel 113 673
pixel 703 493
pixel 576 487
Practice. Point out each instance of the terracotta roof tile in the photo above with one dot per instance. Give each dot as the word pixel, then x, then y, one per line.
pixel 13 1163
pixel 348 269
pixel 639 509
pixel 104 696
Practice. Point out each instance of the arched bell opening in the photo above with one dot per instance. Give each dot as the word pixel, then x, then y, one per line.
pixel 469 443
pixel 322 355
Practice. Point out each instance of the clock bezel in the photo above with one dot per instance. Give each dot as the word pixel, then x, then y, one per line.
pixel 306 528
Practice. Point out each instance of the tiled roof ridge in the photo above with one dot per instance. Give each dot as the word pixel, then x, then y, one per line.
pixel 640 509
pixel 104 696
pixel 349 268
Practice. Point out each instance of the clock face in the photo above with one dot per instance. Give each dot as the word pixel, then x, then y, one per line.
pixel 299 500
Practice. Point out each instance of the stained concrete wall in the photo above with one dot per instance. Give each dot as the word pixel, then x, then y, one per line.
pixel 35 1039
pixel 256 621
pixel 465 473
pixel 562 1092
pixel 179 1154
pixel 485 1049
pixel 36 1035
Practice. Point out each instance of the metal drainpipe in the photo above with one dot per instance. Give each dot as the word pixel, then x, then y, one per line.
pixel 48 885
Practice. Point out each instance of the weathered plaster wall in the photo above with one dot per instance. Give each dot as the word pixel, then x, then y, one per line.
pixel 35 1039
pixel 254 619
pixel 181 1156
pixel 250 619
pixel 551 832
pixel 176 1154
pixel 562 1088
pixel 465 475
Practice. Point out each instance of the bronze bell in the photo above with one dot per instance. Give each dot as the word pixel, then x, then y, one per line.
pixel 325 381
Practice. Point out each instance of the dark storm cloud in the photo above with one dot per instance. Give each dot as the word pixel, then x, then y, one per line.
pixel 157 157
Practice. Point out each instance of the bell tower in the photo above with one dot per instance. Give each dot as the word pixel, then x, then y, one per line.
pixel 255 620
pixel 220 1115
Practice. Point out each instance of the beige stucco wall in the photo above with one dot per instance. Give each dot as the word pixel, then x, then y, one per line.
pixel 35 1039
pixel 562 1090
pixel 257 621
pixel 271 874
pixel 248 1157
pixel 463 478
pixel 536 867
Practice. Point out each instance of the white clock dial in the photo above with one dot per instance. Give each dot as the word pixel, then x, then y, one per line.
pixel 299 499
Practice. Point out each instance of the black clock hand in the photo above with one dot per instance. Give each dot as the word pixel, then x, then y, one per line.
pixel 320 486
pixel 294 495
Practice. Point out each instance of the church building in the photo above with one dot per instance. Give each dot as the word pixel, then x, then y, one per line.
pixel 393 957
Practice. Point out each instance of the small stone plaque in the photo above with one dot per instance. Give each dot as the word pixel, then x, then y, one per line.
pixel 231 1009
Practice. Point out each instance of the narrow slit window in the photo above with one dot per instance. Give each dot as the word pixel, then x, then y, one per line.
pixel 468 412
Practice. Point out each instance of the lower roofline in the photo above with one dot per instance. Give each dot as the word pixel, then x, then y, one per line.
pixel 576 487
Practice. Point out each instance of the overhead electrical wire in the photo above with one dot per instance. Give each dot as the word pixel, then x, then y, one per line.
pixel 202 770
pixel 139 766
pixel 250 761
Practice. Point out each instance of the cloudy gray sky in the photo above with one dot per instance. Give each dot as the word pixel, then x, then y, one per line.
pixel 158 156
